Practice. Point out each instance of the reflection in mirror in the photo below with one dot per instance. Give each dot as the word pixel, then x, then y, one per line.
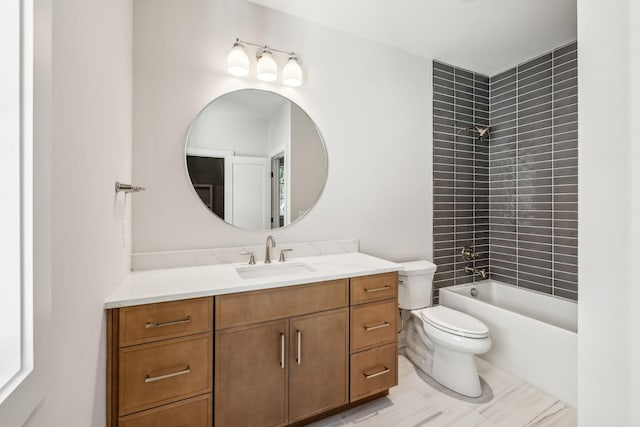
pixel 256 159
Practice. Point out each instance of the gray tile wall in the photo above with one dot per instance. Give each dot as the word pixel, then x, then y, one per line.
pixel 533 174
pixel 513 197
pixel 461 172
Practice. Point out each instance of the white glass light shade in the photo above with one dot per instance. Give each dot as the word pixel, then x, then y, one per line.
pixel 238 61
pixel 292 73
pixel 267 69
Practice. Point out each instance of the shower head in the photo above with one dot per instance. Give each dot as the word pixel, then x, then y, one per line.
pixel 482 131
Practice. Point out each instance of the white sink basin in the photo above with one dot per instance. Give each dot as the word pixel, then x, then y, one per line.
pixel 269 270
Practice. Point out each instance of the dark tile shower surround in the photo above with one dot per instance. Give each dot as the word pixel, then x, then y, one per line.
pixel 460 172
pixel 531 171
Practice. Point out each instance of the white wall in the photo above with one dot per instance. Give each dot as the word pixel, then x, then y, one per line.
pixel 608 332
pixel 634 301
pixel 279 130
pixel 372 104
pixel 90 148
pixel 243 135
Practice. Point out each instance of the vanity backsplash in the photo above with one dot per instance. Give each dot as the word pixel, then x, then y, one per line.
pixel 198 257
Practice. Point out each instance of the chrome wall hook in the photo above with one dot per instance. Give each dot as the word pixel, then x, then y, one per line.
pixel 127 188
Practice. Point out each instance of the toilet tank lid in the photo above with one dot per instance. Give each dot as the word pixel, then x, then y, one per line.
pixel 413 268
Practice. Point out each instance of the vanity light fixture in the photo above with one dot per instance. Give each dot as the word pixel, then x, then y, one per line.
pixel 267 67
pixel 292 73
pixel 238 61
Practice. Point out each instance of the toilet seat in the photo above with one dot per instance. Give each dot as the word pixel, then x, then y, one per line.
pixel 454 322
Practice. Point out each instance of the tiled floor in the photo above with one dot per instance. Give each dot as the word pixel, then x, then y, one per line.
pixel 419 401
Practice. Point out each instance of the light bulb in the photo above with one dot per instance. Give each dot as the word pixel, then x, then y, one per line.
pixel 238 61
pixel 292 73
pixel 267 69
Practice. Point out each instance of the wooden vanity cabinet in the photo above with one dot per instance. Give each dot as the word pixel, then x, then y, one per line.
pixel 374 334
pixel 160 364
pixel 274 357
pixel 273 373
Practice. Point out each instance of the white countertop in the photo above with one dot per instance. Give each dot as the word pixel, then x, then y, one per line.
pixel 144 287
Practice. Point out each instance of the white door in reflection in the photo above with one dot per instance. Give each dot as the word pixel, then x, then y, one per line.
pixel 247 192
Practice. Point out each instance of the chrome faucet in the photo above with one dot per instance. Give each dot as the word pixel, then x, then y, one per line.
pixel 476 271
pixel 267 254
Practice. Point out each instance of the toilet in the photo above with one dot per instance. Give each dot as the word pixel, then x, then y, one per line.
pixel 440 341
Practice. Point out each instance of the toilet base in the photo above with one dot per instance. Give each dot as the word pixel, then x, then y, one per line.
pixel 456 371
pixel 419 348
pixel 453 369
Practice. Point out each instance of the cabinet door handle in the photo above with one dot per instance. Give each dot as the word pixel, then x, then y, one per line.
pixel 383 288
pixel 374 327
pixel 375 374
pixel 151 325
pixel 299 339
pixel 150 379
pixel 281 350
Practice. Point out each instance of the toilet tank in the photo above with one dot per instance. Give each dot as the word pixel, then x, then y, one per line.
pixel 415 282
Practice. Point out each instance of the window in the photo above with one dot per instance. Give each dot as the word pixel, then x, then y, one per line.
pixel 16 308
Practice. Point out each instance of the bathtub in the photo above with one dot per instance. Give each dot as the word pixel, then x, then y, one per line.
pixel 534 335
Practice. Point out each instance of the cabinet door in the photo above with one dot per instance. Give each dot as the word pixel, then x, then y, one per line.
pixel 319 367
pixel 251 367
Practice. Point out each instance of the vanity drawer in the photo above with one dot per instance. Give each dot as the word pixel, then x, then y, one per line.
pixel 194 412
pixel 260 306
pixel 373 371
pixel 373 324
pixel 152 322
pixel 164 372
pixel 374 288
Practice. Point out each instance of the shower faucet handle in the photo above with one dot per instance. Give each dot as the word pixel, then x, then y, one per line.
pixel 468 254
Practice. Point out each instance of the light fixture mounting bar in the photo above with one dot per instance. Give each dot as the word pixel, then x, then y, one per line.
pixel 263 46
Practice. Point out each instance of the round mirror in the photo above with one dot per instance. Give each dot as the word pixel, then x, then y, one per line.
pixel 256 159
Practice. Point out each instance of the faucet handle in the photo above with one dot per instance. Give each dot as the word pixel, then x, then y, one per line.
pixel 282 251
pixel 252 258
pixel 468 254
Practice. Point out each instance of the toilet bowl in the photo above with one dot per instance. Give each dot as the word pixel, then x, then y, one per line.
pixel 440 341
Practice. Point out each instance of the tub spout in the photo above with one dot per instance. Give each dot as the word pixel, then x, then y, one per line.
pixel 476 271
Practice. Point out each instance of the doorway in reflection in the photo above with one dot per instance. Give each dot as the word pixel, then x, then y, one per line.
pixel 207 175
pixel 278 174
pixel 207 178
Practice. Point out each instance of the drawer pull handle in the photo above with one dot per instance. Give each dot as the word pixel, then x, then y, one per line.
pixel 281 350
pixel 299 339
pixel 374 327
pixel 383 288
pixel 151 325
pixel 150 379
pixel 375 374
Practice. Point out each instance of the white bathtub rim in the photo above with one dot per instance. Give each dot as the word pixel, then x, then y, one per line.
pixel 519 288
pixel 452 289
